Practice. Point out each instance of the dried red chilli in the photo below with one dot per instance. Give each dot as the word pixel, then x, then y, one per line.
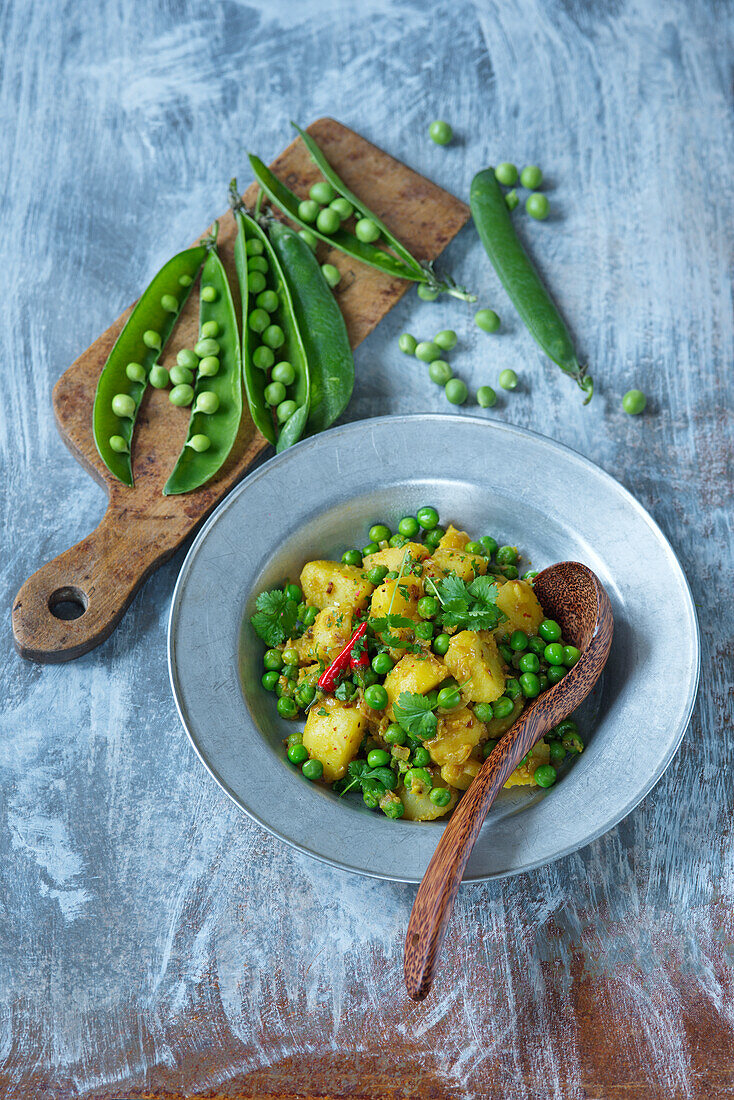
pixel 327 680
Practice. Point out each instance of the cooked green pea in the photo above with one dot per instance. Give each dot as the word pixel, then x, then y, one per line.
pixel 434 536
pixel 272 660
pixel 486 397
pixel 158 377
pixel 553 653
pixel 512 687
pixel 518 641
pixel 342 206
pixel 449 698
pixel 556 673
pixel 185 280
pixel 180 375
pixel 290 656
pixel 395 734
pixel 489 544
pixel 207 402
pixel 418 777
pixel 258 320
pixel 427 517
pixel 206 347
pixel 258 263
pixel 370 548
pixel 557 752
pixel 408 526
pixel 273 337
pixel 308 210
pixel 376 697
pixel 254 247
pixel 510 572
pixel 313 770
pixel 123 405
pixel 310 239
pixel 427 607
pixel 530 575
pixel 545 775
pixel 505 652
pixel 382 663
pixel 474 548
pixel 508 380
pixel 440 132
pixel 322 192
pixel 549 630
pixel 286 707
pixel 446 339
pixel 283 372
pixel 512 199
pixel 297 754
pixel 530 685
pixel 537 206
pixel 441 644
pixel 424 631
pixel 506 173
pixel 507 555
pixel 327 221
pixel 379 533
pixel 488 747
pixel 531 177
pixel 536 645
pixel 439 372
pixel 263 357
pixel 440 796
pixel 208 294
pixel 378 758
pixel 570 655
pixel 268 301
pixel 256 282
pixel 352 557
pixel 377 574
pixel 421 757
pixel 397 540
pixel 119 445
pixel 332 274
pixel 529 662
pixel 274 393
pixel 269 681
pixel 407 343
pixel 365 230
pixel 181 395
pixel 152 339
pixel 634 402
pixel 309 616
pixel 209 366
pixel 135 372
pixel 483 712
pixel 427 293
pixel 456 391
pixel 502 707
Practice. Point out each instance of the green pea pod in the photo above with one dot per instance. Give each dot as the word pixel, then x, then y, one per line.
pixel 322 327
pixel 149 315
pixel 328 173
pixel 194 468
pixel 520 279
pixel 291 351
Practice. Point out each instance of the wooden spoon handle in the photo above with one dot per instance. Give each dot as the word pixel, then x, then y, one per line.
pixel 93 581
pixel 435 898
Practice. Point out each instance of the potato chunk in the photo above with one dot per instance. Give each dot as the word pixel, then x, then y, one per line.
pixel 418 806
pixel 407 591
pixel 334 737
pixel 458 733
pixel 415 672
pixel 472 658
pixel 329 582
pixel 523 776
pixel 453 539
pixel 497 726
pixel 392 558
pixel 330 632
pixel 461 775
pixel 465 565
pixel 520 605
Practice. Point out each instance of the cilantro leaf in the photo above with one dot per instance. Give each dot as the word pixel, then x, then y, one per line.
pixel 275 617
pixel 469 607
pixel 390 621
pixel 415 714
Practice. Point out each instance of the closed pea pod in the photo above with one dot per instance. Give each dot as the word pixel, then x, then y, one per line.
pixel 221 393
pixel 132 349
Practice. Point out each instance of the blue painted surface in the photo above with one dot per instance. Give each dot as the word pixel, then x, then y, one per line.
pixel 143 920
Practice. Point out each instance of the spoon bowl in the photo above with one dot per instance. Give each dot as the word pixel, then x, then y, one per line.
pixel 573 595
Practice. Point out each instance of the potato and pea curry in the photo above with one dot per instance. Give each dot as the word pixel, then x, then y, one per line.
pixel 411 658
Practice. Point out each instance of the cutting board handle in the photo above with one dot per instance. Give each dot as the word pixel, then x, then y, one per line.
pixel 71 604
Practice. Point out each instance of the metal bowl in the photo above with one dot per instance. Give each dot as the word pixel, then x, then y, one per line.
pixel 321 497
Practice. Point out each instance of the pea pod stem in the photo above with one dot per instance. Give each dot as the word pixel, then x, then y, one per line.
pixel 521 280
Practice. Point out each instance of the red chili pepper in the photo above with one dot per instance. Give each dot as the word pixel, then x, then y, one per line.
pixel 327 680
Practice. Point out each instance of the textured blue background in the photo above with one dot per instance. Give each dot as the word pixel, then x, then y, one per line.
pixel 149 932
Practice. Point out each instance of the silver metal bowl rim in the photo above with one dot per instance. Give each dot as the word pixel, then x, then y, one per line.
pixel 446 419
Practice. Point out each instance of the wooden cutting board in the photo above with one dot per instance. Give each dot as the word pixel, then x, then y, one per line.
pixel 96 579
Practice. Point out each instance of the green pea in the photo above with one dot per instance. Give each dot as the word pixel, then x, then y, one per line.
pixel 427 293
pixel 269 680
pixel 207 402
pixel 332 274
pixel 393 810
pixel 419 776
pixel 313 770
pixel 181 395
pixel 456 391
pixel 309 238
pixel 290 656
pixel 530 575
pixel 483 712
pixel 449 698
pixel 427 351
pixel 536 645
pixel 254 247
pixel 382 663
pixel 489 544
pixel 427 607
pixel 441 644
pixel 285 411
pixel 486 397
pixel 506 173
pixel 427 517
pixel 274 393
pixel 421 757
pixel 263 357
pixel 295 738
pixel 208 294
pixel 342 206
pixel 474 548
pixel 273 337
pixel 570 655
pixel 185 280
pixel 379 533
pixel 272 660
pixel 440 132
pixel 424 631
pixel 434 537
pixel 188 358
pixel 556 673
pixel 152 339
pixel 545 775
pixel 308 210
pixel 366 231
pixel 286 707
pixel 180 375
pixel 158 377
pixel 488 747
pixel 397 540
pixel 512 200
pixel 505 653
pixel 446 339
pixel 529 662
pixel 537 206
pixel 408 526
pixel 297 754
pixel 512 687
pixel 352 557
pixel 549 630
pixel 123 405
pixel 395 734
pixel 258 320
pixel 365 677
pixel 372 792
pixel 322 192
pixel 327 221
pixel 305 695
pixel 557 752
pixel 507 555
pixel 634 402
pixel 309 616
pixel 518 641
pixel 531 177
pixel 256 282
pixel 508 380
pixel 439 372
pixel 378 758
pixel 209 366
pixel 407 343
pixel 199 443
pixel 206 347
pixel 377 574
pixel 369 549
pixel 135 372
pixel 503 707
pixel 440 796
pixel 553 653
pixel 268 300
pixel 566 727
pixel 258 263
pixel 283 372
pixel 169 303
pixel 487 320
pixel 119 445
pixel 530 685
pixel 376 697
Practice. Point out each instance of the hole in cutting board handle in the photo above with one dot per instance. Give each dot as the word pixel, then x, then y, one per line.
pixel 68 603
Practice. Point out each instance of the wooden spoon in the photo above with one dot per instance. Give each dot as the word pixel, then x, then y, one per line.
pixel 573 596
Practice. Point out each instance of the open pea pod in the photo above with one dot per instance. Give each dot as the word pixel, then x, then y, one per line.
pixel 217 407
pixel 338 184
pixel 261 349
pixel 139 345
pixel 322 326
